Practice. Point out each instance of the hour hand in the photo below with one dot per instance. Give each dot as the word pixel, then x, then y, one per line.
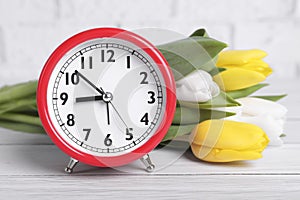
pixel 89 98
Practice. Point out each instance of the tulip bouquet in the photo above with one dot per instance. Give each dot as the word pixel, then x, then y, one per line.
pixel 216 114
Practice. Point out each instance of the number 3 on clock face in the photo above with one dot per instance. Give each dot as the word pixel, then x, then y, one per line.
pixel 106 97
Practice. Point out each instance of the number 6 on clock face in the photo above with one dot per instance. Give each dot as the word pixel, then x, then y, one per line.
pixel 106 97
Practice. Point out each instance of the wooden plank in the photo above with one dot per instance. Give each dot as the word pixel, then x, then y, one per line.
pixel 43 160
pixel 151 187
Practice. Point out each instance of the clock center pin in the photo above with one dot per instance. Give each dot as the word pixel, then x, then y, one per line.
pixel 107 97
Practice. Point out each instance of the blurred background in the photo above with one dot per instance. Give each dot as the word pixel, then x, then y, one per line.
pixel 31 29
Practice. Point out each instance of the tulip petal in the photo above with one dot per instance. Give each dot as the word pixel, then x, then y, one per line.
pixel 226 134
pixel 223 155
pixel 239 57
pixel 237 78
pixel 273 128
pixel 197 87
pixel 258 66
pixel 255 106
pixel 250 64
pixel 185 94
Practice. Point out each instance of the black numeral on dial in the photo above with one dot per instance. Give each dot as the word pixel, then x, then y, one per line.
pixel 128 62
pixel 70 120
pixel 90 62
pixel 144 77
pixel 88 131
pixel 152 97
pixel 74 78
pixel 129 133
pixel 145 119
pixel 110 55
pixel 64 98
pixel 107 140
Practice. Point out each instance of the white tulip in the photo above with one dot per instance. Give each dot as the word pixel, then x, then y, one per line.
pixel 197 87
pixel 256 106
pixel 268 115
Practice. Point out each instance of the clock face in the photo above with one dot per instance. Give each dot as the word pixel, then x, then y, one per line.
pixel 106 97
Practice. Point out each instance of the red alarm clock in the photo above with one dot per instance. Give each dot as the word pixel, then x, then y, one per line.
pixel 106 97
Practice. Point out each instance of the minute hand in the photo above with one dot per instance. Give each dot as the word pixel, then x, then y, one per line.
pixel 89 82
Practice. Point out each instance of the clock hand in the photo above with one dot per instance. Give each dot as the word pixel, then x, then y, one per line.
pixel 101 91
pixel 89 82
pixel 118 113
pixel 90 98
pixel 107 111
pixel 108 99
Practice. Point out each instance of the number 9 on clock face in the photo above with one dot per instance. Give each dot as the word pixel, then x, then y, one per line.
pixel 106 97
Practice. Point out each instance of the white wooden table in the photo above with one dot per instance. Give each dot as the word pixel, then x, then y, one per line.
pixel 32 168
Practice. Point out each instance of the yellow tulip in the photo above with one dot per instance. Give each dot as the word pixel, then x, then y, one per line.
pixel 226 141
pixel 238 78
pixel 244 68
pixel 239 57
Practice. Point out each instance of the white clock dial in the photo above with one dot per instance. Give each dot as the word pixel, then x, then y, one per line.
pixel 107 97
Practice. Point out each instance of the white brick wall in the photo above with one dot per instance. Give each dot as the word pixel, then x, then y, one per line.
pixel 31 29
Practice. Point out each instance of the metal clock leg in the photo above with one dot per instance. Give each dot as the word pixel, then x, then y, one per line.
pixel 148 163
pixel 72 163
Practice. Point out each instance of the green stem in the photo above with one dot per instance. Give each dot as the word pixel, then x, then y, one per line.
pixel 22 127
pixel 27 119
pixel 19 105
pixel 178 130
pixel 9 93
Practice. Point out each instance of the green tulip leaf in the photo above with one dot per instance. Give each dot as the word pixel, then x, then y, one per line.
pixel 216 71
pixel 282 135
pixel 272 97
pixel 178 130
pixel 222 100
pixel 247 91
pixel 184 115
pixel 184 145
pixel 200 32
pixel 187 55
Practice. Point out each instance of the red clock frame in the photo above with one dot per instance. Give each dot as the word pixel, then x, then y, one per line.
pixel 42 100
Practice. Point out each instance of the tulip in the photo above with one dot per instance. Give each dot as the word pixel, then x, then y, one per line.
pixel 244 68
pixel 268 115
pixel 246 59
pixel 197 87
pixel 227 141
